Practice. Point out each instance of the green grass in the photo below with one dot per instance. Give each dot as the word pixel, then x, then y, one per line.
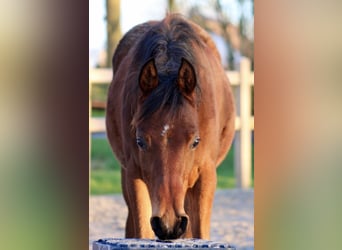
pixel 225 172
pixel 105 173
pixel 98 112
pixel 99 92
pixel 105 181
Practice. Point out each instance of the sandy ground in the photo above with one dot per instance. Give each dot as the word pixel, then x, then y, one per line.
pixel 232 218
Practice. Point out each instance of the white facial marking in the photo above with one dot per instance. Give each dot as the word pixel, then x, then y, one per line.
pixel 165 129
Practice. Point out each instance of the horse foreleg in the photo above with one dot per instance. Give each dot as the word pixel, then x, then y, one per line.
pixel 204 191
pixel 129 230
pixel 139 209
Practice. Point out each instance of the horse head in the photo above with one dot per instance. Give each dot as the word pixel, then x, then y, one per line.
pixel 167 137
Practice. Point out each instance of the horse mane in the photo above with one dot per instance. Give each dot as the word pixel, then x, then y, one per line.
pixel 127 42
pixel 167 42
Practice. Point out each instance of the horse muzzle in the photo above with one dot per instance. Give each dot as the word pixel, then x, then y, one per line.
pixel 166 232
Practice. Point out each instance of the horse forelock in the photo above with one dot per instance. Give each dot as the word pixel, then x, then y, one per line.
pixel 167 42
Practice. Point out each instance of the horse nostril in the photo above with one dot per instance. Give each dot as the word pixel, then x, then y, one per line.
pixel 158 227
pixel 180 228
pixel 163 233
pixel 184 223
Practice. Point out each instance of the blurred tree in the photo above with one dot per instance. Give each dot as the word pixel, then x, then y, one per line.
pixel 246 45
pixel 228 36
pixel 235 36
pixel 113 28
pixel 171 6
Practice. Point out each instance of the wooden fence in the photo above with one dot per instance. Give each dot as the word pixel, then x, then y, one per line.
pixel 242 82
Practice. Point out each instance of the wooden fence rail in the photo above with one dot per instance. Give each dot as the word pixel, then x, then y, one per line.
pixel 242 82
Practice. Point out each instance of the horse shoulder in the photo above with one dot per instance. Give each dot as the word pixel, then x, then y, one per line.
pixel 206 39
pixel 218 110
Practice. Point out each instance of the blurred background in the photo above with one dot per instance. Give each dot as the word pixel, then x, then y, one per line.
pixel 231 25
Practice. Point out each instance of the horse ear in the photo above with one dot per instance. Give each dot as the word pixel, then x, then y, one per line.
pixel 186 77
pixel 148 78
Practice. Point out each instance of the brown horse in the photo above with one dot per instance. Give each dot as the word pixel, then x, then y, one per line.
pixel 170 122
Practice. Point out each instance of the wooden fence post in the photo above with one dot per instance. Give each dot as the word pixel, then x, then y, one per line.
pixel 242 144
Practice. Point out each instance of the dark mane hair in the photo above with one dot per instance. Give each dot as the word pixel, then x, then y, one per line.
pixel 167 42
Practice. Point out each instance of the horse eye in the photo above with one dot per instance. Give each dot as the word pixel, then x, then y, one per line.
pixel 141 143
pixel 195 143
